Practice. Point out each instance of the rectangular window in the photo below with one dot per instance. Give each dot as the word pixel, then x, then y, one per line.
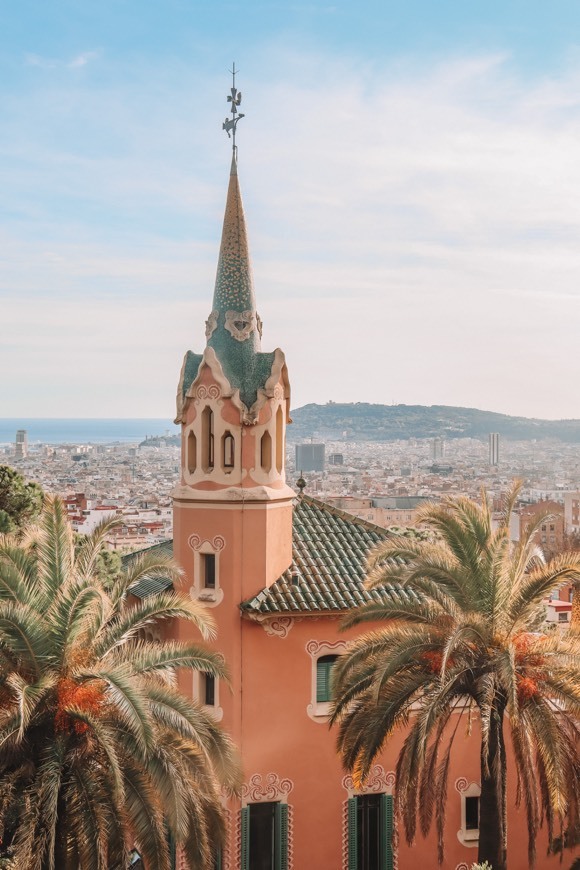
pixel 324 667
pixel 370 832
pixel 208 570
pixel 208 690
pixel 264 836
pixel 471 813
pixel 563 617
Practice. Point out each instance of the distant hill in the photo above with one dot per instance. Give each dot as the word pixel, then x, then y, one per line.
pixel 363 422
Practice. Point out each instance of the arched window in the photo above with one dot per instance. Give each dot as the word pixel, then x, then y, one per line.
pixel 191 453
pixel 279 441
pixel 228 450
pixel 266 452
pixel 207 439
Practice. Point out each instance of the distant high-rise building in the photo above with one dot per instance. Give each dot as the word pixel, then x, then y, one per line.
pixel 437 448
pixel 310 457
pixel 493 448
pixel 21 444
pixel 336 459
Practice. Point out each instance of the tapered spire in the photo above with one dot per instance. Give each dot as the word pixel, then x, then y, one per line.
pixel 234 328
pixel 234 317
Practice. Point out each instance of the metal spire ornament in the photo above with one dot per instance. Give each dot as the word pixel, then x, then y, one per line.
pixel 230 124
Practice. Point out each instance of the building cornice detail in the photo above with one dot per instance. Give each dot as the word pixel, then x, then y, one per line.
pixel 271 788
pixel 378 781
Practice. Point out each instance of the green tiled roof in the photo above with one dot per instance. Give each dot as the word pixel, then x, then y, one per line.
pixel 329 551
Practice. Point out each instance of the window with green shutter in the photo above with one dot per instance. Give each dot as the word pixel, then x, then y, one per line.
pixel 324 667
pixel 245 838
pixel 370 832
pixel 264 836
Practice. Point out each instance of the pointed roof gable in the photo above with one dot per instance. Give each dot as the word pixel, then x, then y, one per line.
pixel 329 553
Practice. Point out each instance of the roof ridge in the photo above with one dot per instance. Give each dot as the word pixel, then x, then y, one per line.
pixel 345 515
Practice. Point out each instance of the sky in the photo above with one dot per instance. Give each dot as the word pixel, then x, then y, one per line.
pixel 411 181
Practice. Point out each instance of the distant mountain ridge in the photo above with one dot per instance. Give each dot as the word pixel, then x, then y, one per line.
pixel 361 421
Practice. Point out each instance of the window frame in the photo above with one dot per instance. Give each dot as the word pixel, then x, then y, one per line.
pixel 199 694
pixel 467 836
pixel 210 596
pixel 279 833
pixel 385 832
pixel 319 711
pixel 324 666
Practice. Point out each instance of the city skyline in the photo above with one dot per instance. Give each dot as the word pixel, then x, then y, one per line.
pixel 409 178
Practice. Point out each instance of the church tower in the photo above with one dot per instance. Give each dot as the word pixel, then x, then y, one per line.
pixel 232 507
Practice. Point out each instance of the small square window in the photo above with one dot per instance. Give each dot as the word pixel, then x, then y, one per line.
pixel 563 617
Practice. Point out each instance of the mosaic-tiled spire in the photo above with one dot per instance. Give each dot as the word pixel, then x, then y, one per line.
pixel 234 301
pixel 234 328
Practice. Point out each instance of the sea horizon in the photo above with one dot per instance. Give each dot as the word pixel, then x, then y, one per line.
pixel 85 430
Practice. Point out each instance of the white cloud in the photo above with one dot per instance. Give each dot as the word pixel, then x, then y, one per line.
pixel 414 234
pixel 82 59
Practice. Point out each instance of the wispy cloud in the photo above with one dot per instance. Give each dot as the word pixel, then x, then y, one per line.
pixel 75 62
pixel 82 59
pixel 414 234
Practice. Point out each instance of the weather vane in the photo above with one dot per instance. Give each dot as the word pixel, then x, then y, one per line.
pixel 230 124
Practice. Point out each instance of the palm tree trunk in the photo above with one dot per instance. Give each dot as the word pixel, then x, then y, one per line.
pixel 492 825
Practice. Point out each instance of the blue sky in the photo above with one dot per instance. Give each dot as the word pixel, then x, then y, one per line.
pixel 411 177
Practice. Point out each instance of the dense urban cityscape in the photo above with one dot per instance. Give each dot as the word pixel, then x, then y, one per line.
pixel 382 482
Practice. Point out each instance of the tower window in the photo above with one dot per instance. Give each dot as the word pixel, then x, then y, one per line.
pixel 207 439
pixel 266 452
pixel 228 445
pixel 207 689
pixel 279 440
pixel 191 453
pixel 208 570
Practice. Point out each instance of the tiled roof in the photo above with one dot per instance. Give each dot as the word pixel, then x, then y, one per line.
pixel 329 550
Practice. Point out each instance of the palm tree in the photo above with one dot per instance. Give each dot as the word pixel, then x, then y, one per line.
pixel 460 638
pixel 99 751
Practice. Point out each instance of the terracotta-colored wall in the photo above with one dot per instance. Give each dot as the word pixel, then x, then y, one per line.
pixel 278 737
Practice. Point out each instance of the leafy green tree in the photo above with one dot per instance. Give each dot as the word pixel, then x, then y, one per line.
pixel 458 640
pixel 99 751
pixel 20 500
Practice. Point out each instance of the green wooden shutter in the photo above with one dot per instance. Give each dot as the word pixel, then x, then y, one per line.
pixel 217 861
pixel 386 832
pixel 352 833
pixel 324 667
pixel 245 838
pixel 281 836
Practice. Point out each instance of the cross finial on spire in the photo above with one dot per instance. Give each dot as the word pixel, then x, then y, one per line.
pixel 230 124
